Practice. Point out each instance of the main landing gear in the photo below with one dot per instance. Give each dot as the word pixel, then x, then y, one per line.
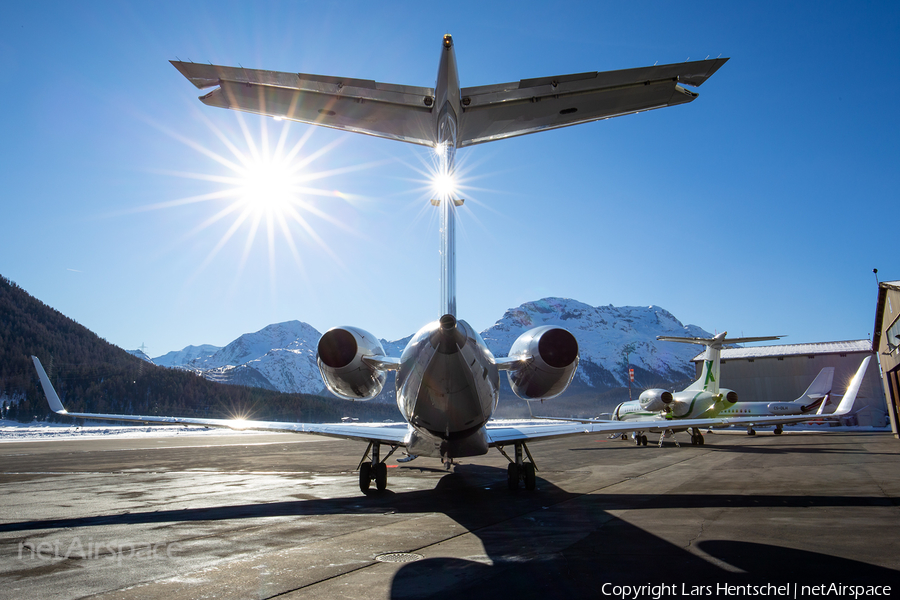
pixel 671 434
pixel 374 470
pixel 751 431
pixel 696 437
pixel 778 430
pixel 518 469
pixel 639 439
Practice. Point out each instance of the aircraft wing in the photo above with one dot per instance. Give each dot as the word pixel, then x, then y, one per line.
pixel 393 435
pixel 397 112
pixel 504 110
pixel 500 435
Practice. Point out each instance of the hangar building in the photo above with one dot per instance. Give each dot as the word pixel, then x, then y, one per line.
pixel 886 342
pixel 782 373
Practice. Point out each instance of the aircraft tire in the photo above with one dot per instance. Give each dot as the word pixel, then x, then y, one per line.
pixel 512 476
pixel 365 476
pixel 530 478
pixel 751 432
pixel 643 440
pixel 778 431
pixel 380 476
pixel 700 439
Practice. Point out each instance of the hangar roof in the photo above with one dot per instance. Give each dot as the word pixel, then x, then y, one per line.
pixel 793 349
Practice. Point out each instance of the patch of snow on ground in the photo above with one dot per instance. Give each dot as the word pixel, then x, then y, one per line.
pixel 12 431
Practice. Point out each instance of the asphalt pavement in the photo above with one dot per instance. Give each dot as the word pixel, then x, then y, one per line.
pixel 281 515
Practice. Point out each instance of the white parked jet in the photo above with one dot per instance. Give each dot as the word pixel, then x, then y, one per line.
pixel 447 381
pixel 703 399
pixel 671 424
pixel 813 399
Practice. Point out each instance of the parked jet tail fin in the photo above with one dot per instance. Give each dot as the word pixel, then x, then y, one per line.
pixel 817 392
pixel 709 375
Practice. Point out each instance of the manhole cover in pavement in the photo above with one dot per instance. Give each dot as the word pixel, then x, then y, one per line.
pixel 399 557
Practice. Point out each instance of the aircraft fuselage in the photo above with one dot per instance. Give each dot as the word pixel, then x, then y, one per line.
pixel 447 389
pixel 447 385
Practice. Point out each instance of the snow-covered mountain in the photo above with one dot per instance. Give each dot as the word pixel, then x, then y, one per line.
pixel 140 354
pixel 253 346
pixel 282 356
pixel 605 334
pixel 179 358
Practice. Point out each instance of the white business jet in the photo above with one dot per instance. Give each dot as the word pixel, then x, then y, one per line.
pixel 447 381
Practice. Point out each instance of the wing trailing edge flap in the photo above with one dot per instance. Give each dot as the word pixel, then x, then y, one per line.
pixel 391 111
pixel 505 110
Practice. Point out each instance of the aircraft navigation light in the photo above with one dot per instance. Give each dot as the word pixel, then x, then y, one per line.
pixel 444 185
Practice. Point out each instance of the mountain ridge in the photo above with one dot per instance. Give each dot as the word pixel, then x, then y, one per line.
pixel 610 339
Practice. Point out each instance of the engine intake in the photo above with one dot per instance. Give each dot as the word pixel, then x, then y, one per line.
pixel 553 354
pixel 340 358
pixel 655 400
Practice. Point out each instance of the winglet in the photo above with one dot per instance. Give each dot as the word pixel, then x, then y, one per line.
pixel 821 410
pixel 52 399
pixel 852 389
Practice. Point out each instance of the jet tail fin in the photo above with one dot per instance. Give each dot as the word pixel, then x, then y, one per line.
pixel 52 399
pixel 817 392
pixel 709 375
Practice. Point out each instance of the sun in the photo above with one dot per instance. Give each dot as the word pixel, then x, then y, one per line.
pixel 268 186
pixel 262 182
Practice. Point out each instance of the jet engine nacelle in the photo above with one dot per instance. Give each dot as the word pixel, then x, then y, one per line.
pixel 655 400
pixel 730 396
pixel 346 375
pixel 553 353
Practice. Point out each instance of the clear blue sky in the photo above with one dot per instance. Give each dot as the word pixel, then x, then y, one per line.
pixel 761 208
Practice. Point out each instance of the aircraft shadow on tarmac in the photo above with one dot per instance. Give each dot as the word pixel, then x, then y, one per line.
pixel 552 543
pixel 723 446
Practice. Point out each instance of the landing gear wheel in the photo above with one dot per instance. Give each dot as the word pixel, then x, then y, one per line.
pixel 637 440
pixel 779 431
pixel 512 476
pixel 751 432
pixel 380 471
pixel 643 440
pixel 365 476
pixel 700 439
pixel 528 473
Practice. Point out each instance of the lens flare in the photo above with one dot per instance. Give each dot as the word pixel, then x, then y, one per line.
pixel 444 185
pixel 263 185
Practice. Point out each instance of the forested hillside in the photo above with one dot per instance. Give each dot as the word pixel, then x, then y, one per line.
pixel 92 375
